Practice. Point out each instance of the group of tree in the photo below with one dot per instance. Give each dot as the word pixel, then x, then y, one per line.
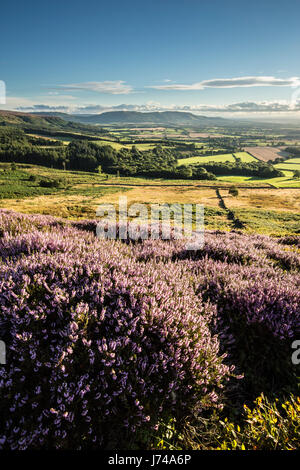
pixel 295 151
pixel 126 161
pixel 255 168
pixel 156 162
pixel 87 156
pixel 290 152
pixel 34 155
pixel 17 146
pixel 11 136
pixel 296 174
pixel 194 172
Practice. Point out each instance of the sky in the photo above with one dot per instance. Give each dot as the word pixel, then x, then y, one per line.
pixel 229 58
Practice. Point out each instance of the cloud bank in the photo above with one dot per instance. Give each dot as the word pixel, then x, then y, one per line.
pixel 232 83
pixel 240 107
pixel 118 87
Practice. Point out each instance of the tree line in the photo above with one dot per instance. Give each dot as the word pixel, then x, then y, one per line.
pixel 257 168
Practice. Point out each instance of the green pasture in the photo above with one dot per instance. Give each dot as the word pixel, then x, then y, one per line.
pixel 227 157
pixel 288 166
pixel 293 160
pixel 245 157
pixel 280 182
pixel 119 146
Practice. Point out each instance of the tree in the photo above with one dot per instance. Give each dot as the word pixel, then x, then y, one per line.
pixel 296 174
pixel 233 191
pixel 106 156
pixel 185 171
pixel 82 156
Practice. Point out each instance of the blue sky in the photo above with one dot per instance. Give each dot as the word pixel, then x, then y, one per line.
pixel 189 54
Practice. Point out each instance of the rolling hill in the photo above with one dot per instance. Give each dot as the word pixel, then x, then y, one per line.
pixel 92 122
pixel 136 118
pixel 151 118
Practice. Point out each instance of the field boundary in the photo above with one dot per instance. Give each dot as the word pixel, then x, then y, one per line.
pixel 267 186
pixel 236 222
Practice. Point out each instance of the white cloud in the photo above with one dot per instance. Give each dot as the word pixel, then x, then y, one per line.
pixel 45 108
pixel 118 87
pixel 237 109
pixel 250 107
pixel 232 83
pixel 55 95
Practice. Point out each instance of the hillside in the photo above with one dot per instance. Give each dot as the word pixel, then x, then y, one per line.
pixel 34 121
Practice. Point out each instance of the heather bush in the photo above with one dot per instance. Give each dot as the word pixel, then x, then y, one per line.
pixel 52 183
pixel 96 347
pixel 254 283
pixel 258 319
pixel 15 223
pixel 110 341
pixel 290 240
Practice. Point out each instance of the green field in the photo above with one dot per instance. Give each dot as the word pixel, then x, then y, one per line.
pixel 226 157
pixel 293 160
pixel 286 181
pixel 239 179
pixel 245 156
pixel 119 146
pixel 287 166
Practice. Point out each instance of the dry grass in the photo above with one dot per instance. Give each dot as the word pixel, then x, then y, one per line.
pixel 269 199
pixel 184 195
pixel 84 205
pixel 65 205
pixel 69 206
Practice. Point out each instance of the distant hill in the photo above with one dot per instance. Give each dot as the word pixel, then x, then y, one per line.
pixel 166 118
pixel 90 123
